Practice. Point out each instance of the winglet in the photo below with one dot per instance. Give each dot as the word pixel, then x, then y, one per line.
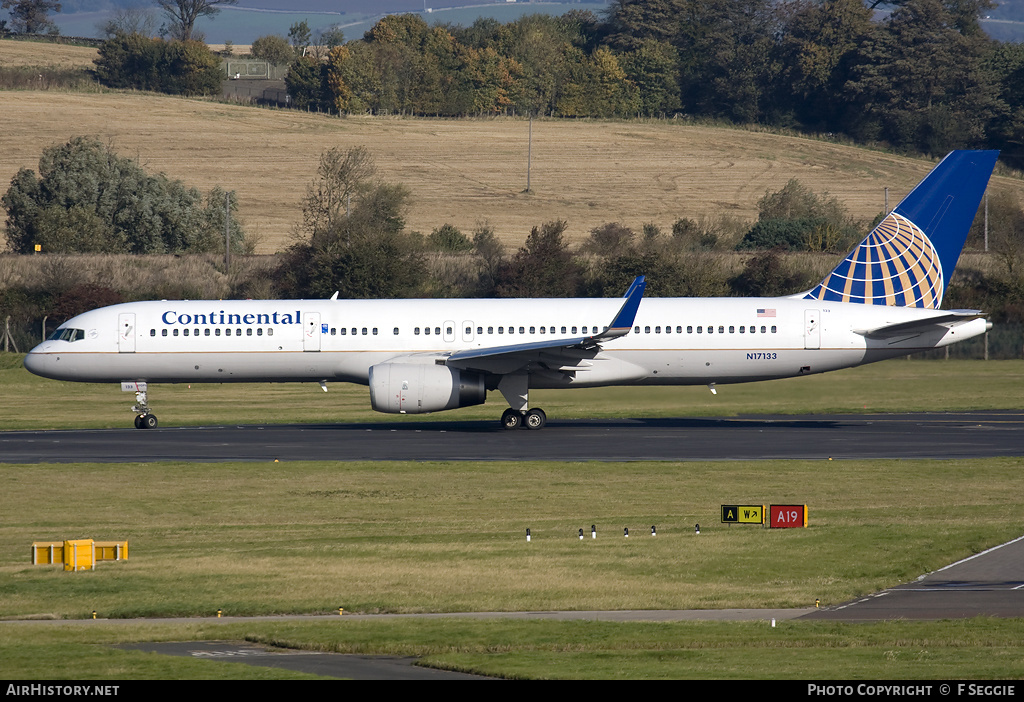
pixel 623 321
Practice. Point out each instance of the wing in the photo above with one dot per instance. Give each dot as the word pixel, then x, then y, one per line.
pixel 570 353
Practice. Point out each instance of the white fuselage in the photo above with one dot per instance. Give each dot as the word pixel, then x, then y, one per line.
pixel 673 341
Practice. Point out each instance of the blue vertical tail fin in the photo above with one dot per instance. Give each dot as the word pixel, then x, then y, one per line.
pixel 906 261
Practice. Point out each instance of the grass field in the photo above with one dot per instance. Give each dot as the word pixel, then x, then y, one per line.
pixel 463 172
pixel 449 537
pixel 445 537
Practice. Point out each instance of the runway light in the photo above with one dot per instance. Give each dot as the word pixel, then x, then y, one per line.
pixel 341 611
pixel 654 532
pixel 527 536
pixel 625 532
pixel 773 622
pixel 696 529
pixel 581 535
pixel 593 531
pixel 218 614
pixel 817 604
pixel 94 614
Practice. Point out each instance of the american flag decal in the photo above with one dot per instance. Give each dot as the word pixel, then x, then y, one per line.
pixel 765 312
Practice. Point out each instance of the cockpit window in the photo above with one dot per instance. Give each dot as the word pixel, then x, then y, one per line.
pixel 67 334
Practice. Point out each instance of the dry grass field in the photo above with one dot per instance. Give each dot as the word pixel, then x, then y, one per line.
pixel 462 172
pixel 28 53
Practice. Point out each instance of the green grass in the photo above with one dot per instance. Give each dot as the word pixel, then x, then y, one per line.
pixel 310 537
pixel 892 386
pixel 979 649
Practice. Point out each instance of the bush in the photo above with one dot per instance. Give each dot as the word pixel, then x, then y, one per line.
pixel 141 63
pixel 90 200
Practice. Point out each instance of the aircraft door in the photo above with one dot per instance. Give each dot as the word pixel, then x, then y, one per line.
pixel 449 330
pixel 126 332
pixel 812 329
pixel 311 332
pixel 467 330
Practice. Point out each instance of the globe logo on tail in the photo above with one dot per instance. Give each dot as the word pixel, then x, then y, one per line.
pixel 896 265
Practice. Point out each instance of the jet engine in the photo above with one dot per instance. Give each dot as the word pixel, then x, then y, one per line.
pixel 414 388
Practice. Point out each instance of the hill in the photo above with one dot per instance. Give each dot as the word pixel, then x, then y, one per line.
pixel 462 172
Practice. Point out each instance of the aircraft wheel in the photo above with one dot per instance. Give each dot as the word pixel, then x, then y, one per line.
pixel 535 419
pixel 511 419
pixel 148 421
pixel 138 421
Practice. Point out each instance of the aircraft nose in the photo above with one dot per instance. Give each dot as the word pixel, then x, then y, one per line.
pixel 38 363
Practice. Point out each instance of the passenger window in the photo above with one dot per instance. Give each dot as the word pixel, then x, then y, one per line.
pixel 375 331
pixel 764 330
pixel 426 331
pixel 679 330
pixel 437 331
pixel 774 329
pixel 396 331
pixel 533 330
pixel 721 329
pixel 689 329
pixel 647 330
pixel 637 330
pixel 732 330
pixel 657 330
pixel 490 330
pixel 522 330
pixel 742 328
pixel 206 332
pixel 342 331
pixel 416 331
pixel 501 330
pixel 711 329
pixel 163 332
pixel 227 332
pixel 270 331
pixel 216 332
pixel 563 330
pixel 152 332
pixel 259 332
pixel 185 332
pixel 448 330
pixel 542 330
pixel 364 331
pixel 248 332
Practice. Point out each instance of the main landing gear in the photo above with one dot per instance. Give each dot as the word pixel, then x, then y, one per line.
pixel 528 419
pixel 144 418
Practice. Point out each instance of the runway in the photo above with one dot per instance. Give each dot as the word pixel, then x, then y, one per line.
pixel 909 435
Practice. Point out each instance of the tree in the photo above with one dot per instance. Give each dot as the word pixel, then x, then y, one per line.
pixel 299 36
pixel 360 251
pixel 86 198
pixel 183 14
pixel 31 16
pixel 272 48
pixel 919 82
pixel 176 67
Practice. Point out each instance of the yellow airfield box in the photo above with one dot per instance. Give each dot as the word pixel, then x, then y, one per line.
pixel 53 552
pixel 80 554
pixel 47 552
pixel 111 550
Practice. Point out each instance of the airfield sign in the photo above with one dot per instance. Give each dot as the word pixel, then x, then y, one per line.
pixel 743 514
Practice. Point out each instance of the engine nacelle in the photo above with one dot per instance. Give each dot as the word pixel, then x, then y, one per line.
pixel 414 388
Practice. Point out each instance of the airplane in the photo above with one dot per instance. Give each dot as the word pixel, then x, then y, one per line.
pixel 420 356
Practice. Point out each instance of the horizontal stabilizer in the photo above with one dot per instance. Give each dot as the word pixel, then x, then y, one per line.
pixel 919 325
